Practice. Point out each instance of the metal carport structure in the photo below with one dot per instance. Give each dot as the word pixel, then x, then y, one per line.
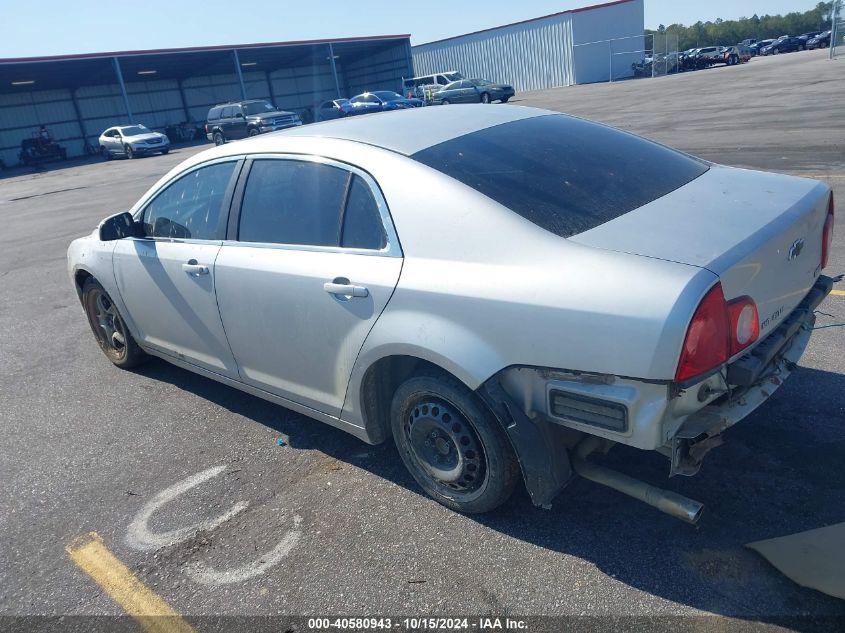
pixel 78 96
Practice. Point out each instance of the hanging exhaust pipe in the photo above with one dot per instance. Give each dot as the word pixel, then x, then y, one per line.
pixel 671 503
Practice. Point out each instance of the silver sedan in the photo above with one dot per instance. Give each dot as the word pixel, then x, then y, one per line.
pixel 131 141
pixel 569 287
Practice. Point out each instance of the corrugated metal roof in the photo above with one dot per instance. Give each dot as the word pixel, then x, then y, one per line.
pixel 200 49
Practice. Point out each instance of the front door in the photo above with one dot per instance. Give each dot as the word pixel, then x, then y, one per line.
pixel 312 269
pixel 166 278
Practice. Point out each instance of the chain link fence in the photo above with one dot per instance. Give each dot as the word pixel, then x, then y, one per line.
pixel 650 55
pixel 837 30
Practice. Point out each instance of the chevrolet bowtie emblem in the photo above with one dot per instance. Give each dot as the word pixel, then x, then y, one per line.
pixel 795 249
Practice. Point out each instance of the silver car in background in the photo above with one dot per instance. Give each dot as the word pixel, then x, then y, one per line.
pixel 132 141
pixel 573 287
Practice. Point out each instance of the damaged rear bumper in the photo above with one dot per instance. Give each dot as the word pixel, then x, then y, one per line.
pixel 748 382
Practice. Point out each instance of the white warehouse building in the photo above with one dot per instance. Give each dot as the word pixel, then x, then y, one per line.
pixel 578 46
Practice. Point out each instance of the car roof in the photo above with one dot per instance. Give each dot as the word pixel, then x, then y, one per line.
pixel 415 129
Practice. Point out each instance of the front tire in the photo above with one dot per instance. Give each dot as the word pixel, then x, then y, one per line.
pixel 505 99
pixel 452 445
pixel 106 154
pixel 165 151
pixel 130 154
pixel 108 327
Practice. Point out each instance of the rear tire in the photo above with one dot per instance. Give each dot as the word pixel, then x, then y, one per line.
pixel 106 154
pixel 452 445
pixel 253 132
pixel 109 328
pixel 485 98
pixel 164 151
pixel 219 139
pixel 445 102
pixel 505 99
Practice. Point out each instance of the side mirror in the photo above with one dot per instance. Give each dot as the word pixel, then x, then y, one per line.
pixel 118 226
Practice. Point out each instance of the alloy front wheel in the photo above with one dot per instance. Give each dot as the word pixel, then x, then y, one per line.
pixel 108 326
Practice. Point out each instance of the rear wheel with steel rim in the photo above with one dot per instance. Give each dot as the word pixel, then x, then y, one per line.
pixel 452 445
pixel 218 138
pixel 108 326
pixel 485 98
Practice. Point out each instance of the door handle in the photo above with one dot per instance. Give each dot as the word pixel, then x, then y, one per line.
pixel 193 268
pixel 345 290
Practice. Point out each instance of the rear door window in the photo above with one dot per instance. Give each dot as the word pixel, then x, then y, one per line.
pixel 564 174
pixel 362 224
pixel 293 202
pixel 226 113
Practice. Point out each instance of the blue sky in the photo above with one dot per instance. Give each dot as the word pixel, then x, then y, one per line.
pixel 56 27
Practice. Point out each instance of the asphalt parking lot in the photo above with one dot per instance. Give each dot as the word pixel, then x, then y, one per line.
pixel 328 525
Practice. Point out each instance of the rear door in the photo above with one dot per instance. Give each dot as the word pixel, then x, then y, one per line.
pixel 311 262
pixel 166 278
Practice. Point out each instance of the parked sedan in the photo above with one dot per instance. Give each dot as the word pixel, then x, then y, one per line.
pixel 329 110
pixel 574 287
pixel 473 91
pixel 757 49
pixel 378 101
pixel 822 40
pixel 132 141
pixel 785 44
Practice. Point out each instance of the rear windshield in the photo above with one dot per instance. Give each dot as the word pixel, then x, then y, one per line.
pixel 564 174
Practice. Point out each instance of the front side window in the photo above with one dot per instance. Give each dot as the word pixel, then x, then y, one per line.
pixel 191 207
pixel 292 202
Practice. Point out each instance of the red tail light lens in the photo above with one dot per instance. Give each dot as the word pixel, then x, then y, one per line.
pixel 745 323
pixel 827 233
pixel 707 343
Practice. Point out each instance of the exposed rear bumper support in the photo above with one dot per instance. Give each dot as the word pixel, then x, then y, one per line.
pixel 747 370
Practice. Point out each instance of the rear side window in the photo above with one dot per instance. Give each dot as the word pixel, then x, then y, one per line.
pixel 214 113
pixel 362 225
pixel 190 207
pixel 293 202
pixel 564 174
pixel 226 113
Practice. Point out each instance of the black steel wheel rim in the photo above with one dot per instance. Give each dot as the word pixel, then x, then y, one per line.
pixel 445 446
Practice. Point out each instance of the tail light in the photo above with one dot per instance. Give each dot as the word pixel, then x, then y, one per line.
pixel 827 233
pixel 707 343
pixel 745 323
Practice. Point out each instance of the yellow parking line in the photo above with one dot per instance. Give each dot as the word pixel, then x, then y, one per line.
pixel 139 601
pixel 838 293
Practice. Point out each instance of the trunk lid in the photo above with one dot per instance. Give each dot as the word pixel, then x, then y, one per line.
pixel 760 233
